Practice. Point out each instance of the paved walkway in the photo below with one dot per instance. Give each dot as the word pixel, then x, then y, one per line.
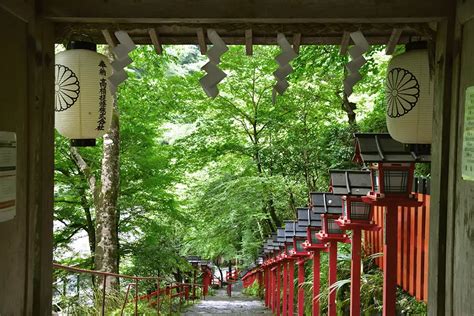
pixel 238 304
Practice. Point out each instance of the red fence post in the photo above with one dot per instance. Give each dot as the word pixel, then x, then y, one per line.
pixel 300 287
pixel 390 260
pixel 285 288
pixel 316 281
pixel 278 289
pixel 291 287
pixel 355 273
pixel 332 278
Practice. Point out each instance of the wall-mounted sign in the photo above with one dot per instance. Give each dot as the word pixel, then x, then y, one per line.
pixel 468 136
pixel 7 175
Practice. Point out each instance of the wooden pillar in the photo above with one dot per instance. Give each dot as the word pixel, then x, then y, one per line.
pixel 291 287
pixel 332 277
pixel 316 281
pixel 300 287
pixel 355 273
pixel 266 282
pixel 285 288
pixel 390 261
pixel 278 289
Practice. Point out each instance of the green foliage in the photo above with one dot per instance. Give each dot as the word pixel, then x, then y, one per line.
pixel 214 177
pixel 254 290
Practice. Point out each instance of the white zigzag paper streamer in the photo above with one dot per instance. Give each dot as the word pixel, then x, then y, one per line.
pixel 357 60
pixel 283 59
pixel 121 60
pixel 214 74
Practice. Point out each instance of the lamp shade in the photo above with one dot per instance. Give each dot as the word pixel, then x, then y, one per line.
pixel 409 96
pixel 83 102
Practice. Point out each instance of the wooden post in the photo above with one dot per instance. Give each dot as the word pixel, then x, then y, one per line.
pixel 267 285
pixel 278 290
pixel 316 281
pixel 332 278
pixel 390 260
pixel 355 272
pixel 300 287
pixel 285 288
pixel 158 296
pixel 291 288
pixel 136 297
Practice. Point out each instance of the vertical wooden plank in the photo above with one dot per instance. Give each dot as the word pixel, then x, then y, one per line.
pixel 427 248
pixel 406 245
pixel 248 42
pixel 155 40
pixel 419 247
pixel 400 249
pixel 412 258
pixel 379 235
pixel 296 42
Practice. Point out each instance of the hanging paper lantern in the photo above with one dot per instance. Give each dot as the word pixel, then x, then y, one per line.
pixel 409 96
pixel 83 102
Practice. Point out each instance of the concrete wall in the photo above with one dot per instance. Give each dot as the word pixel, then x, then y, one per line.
pixel 26 107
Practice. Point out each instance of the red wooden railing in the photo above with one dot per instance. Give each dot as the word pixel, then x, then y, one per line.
pixel 413 238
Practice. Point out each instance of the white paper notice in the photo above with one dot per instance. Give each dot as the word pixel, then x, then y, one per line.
pixel 7 176
pixel 468 136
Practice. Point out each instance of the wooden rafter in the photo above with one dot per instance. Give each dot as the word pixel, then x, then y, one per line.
pixel 201 38
pixel 296 42
pixel 155 40
pixel 248 42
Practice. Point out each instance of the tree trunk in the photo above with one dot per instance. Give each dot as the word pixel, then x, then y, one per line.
pixel 106 207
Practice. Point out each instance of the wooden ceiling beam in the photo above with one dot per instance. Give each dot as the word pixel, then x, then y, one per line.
pixel 393 41
pixel 155 40
pixel 248 42
pixel 296 42
pixel 201 40
pixel 244 11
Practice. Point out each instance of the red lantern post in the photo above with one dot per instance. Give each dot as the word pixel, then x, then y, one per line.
pixel 330 208
pixel 392 169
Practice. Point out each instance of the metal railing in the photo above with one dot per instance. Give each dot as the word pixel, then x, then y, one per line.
pixel 166 292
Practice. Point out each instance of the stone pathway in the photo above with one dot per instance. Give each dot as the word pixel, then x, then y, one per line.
pixel 238 304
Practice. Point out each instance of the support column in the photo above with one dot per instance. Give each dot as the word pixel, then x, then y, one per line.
pixel 271 288
pixel 265 282
pixel 355 273
pixel 291 287
pixel 390 260
pixel 332 277
pixel 300 288
pixel 285 288
pixel 316 281
pixel 278 290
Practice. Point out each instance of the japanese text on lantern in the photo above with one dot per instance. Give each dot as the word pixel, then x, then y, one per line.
pixel 7 175
pixel 468 136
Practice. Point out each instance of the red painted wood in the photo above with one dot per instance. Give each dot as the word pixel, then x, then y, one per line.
pixel 400 248
pixel 420 213
pixel 285 289
pixel 316 281
pixel 300 288
pixel 405 240
pixel 278 290
pixel 355 273
pixel 291 287
pixel 380 240
pixel 412 253
pixel 412 247
pixel 332 308
pixel 390 261
pixel 427 239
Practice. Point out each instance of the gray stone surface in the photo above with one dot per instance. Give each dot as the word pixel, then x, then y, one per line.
pixel 238 304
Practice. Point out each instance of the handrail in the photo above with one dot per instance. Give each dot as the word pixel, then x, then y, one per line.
pixel 167 290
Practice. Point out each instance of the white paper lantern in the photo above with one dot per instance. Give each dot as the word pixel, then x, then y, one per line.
pixel 83 102
pixel 409 96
